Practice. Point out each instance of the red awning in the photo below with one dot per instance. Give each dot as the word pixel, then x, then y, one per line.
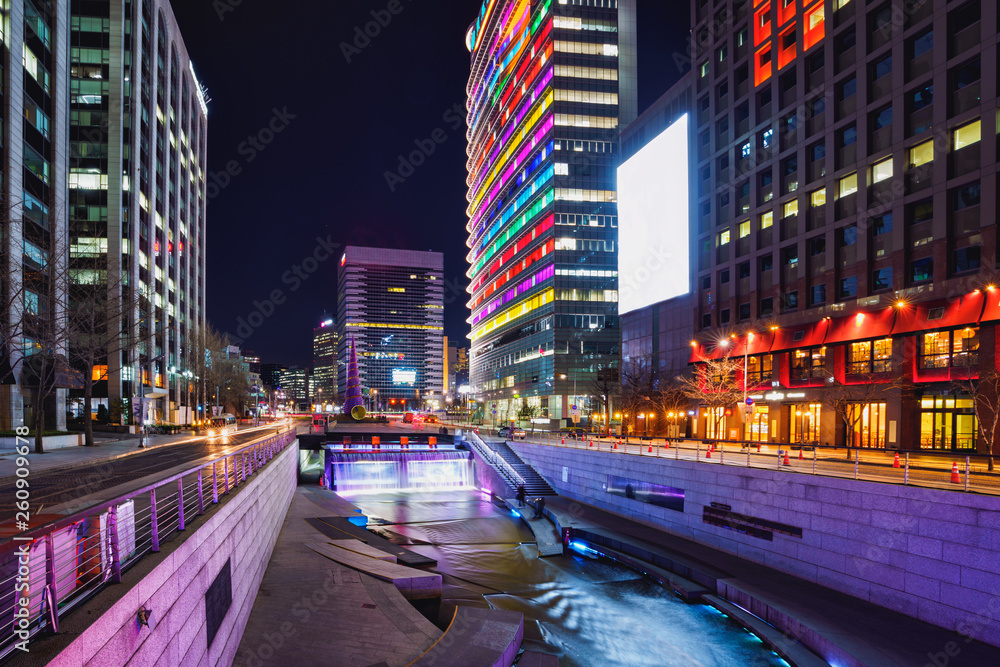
pixel 992 311
pixel 861 326
pixel 943 314
pixel 807 335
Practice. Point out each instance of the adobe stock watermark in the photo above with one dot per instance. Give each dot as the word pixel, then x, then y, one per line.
pixel 294 278
pixel 363 35
pixel 249 149
pixel 408 164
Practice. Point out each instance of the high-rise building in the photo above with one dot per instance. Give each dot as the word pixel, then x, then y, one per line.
pixel 270 375
pixel 295 383
pixel 456 367
pixel 391 304
pixel 34 163
pixel 137 198
pixel 324 370
pixel 844 220
pixel 549 85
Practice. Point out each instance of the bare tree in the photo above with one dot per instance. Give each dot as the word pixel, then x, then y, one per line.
pixel 849 400
pixel 606 386
pixel 984 388
pixel 717 385
pixel 670 397
pixel 636 389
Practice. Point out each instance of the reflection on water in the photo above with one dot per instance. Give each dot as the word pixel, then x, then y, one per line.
pixel 588 612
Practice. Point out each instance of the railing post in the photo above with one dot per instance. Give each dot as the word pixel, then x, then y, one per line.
pixel 215 485
pixel 180 503
pixel 50 581
pixel 201 494
pixel 906 470
pixel 722 453
pixel 225 475
pixel 748 456
pixel 116 563
pixel 814 460
pixel 154 526
pixel 967 473
pixel 697 451
pixel 856 463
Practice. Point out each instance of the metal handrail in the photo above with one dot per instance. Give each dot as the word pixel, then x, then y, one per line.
pixel 101 562
pixel 494 459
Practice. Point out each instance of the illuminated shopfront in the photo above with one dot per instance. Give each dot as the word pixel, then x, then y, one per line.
pixel 947 422
pixel 803 422
pixel 756 428
pixel 867 425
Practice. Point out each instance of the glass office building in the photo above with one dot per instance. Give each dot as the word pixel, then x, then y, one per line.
pixel 390 303
pixel 550 83
pixel 137 195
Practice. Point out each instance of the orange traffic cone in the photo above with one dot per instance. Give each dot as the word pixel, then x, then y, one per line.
pixel 895 461
pixel 591 443
pixel 708 454
pixel 650 448
pixel 322 482
pixel 758 448
pixel 801 458
pixel 564 441
pixel 786 461
pixel 616 443
pixel 955 478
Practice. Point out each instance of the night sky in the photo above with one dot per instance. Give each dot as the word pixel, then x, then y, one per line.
pixel 340 127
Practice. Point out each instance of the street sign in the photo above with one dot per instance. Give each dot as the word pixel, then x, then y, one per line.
pixel 749 401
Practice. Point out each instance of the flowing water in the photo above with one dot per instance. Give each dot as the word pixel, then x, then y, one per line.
pixel 588 612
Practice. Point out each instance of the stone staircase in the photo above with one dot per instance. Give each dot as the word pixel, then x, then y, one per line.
pixel 534 484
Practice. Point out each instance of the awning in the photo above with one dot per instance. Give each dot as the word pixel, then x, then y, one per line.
pixel 942 314
pixel 862 326
pixel 806 335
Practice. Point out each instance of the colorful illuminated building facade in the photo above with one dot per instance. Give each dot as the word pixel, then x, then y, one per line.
pixel 323 379
pixel 550 83
pixel 390 303
pixel 845 216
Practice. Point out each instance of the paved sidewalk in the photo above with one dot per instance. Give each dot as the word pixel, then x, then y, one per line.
pixel 855 632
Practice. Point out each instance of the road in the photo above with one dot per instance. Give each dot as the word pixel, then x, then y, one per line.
pixel 49 489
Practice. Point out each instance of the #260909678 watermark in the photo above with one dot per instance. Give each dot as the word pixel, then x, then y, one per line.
pixel 22 519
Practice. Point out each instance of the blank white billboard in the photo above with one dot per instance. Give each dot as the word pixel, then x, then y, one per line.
pixel 653 221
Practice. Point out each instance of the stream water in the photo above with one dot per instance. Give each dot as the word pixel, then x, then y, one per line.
pixel 588 612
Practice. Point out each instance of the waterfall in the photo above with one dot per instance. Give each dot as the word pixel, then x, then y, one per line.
pixel 398 471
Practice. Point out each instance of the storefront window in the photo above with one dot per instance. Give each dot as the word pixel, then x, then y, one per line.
pixel 755 428
pixel 809 363
pixel 715 423
pixel 804 422
pixel 869 357
pixel 758 370
pixel 867 425
pixel 859 357
pixel 947 422
pixel 958 349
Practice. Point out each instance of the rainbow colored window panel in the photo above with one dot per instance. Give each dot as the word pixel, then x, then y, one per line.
pixel 814 28
pixel 762 24
pixel 763 65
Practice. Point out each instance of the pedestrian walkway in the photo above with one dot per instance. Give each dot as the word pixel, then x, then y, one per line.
pixel 844 630
pixel 546 536
pixel 313 611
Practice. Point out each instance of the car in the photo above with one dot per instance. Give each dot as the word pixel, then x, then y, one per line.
pixel 408 418
pixel 577 432
pixel 503 431
pixel 518 433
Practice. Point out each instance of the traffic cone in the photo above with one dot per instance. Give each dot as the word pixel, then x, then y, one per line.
pixel 564 441
pixel 786 461
pixel 895 462
pixel 758 448
pixel 591 443
pixel 708 454
pixel 650 448
pixel 955 478
pixel 616 443
pixel 800 455
pixel 322 482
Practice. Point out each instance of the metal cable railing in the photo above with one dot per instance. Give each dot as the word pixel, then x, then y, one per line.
pixel 495 460
pixel 67 561
pixel 953 471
